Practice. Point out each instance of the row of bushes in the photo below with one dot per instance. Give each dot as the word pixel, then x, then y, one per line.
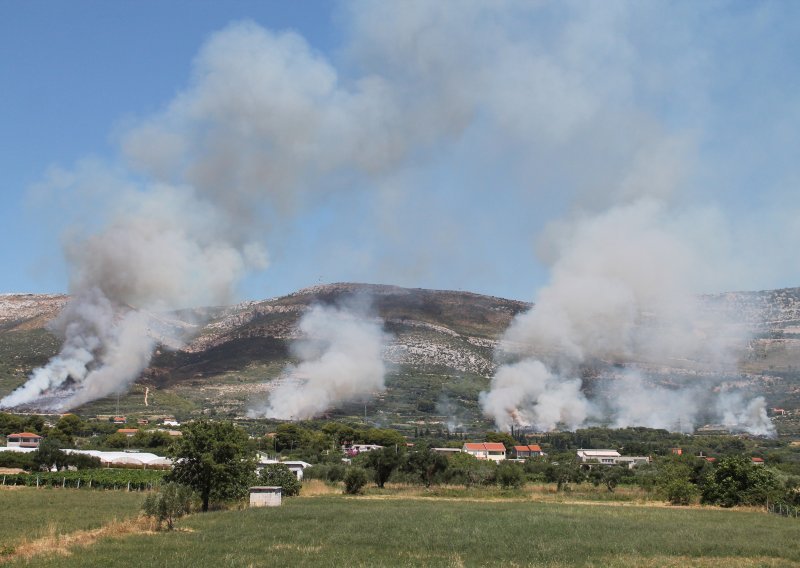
pixel 680 480
pixel 132 479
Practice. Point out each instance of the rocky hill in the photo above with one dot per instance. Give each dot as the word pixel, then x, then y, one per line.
pixel 440 355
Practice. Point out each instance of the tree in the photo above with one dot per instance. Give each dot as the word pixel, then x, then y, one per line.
pixel 383 462
pixel 279 475
pixel 10 423
pixel 48 455
pixel 70 424
pixel 171 502
pixel 736 481
pixel 214 459
pixel 509 475
pixel 354 480
pixel 563 471
pixel 503 438
pixel 674 480
pixel 290 437
pixel 469 470
pixel 425 463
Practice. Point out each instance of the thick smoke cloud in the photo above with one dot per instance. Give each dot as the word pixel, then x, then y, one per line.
pixel 448 127
pixel 621 293
pixel 341 360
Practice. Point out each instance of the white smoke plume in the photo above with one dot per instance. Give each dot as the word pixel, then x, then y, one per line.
pixel 341 360
pixel 526 393
pixel 426 106
pixel 163 249
pixel 621 292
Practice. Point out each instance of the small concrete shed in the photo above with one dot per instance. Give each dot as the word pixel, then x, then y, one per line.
pixel 265 496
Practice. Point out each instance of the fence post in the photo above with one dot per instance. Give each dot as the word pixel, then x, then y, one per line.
pixel 63 482
pixel 37 482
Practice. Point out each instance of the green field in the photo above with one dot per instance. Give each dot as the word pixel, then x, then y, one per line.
pixel 27 513
pixel 375 531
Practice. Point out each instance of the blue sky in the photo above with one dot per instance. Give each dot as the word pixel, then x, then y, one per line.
pixel 494 127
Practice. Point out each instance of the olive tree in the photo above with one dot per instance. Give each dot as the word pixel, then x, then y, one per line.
pixel 214 459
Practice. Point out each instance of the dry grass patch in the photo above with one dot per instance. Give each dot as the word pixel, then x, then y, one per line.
pixel 317 487
pixel 638 561
pixel 55 544
pixel 304 549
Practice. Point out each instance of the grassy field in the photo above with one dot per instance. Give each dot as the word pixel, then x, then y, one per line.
pixel 384 530
pixel 27 513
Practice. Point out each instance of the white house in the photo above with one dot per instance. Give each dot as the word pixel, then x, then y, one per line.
pixel 609 457
pixel 23 440
pixel 604 457
pixel 494 451
pixel 296 467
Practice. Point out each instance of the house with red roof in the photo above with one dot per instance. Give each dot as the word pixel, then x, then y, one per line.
pixel 23 440
pixel 525 452
pixel 494 451
pixel 757 461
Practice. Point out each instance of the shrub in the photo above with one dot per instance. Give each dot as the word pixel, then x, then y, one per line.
pixel 354 480
pixel 277 474
pixel 170 503
pixel 509 475
pixel 679 491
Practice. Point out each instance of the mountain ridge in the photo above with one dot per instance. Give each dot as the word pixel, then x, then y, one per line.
pixel 442 352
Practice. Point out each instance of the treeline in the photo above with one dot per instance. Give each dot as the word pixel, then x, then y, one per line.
pixel 93 434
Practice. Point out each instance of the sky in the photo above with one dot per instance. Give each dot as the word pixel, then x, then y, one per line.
pixel 447 145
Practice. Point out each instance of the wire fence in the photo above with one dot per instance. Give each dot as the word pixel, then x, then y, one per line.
pixel 783 510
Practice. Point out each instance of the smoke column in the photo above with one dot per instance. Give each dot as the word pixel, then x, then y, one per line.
pixel 621 292
pixel 450 125
pixel 341 358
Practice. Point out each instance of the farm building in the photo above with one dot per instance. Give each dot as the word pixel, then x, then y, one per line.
pixel 609 457
pixel 23 440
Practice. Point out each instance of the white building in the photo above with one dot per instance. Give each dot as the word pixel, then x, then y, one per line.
pixel 296 467
pixel 609 457
pixel 23 440
pixel 493 451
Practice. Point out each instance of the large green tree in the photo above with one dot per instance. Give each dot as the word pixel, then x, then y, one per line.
pixel 383 462
pixel 424 463
pixel 736 481
pixel 215 460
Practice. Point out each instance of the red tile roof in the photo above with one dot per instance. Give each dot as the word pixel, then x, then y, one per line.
pixel 495 447
pixel 474 447
pixel 127 430
pixel 759 460
pixel 25 435
pixel 533 448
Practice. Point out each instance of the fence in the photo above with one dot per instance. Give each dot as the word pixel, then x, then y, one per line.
pixel 783 510
pixel 130 480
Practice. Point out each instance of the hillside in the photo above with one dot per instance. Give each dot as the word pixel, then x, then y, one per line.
pixel 441 354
